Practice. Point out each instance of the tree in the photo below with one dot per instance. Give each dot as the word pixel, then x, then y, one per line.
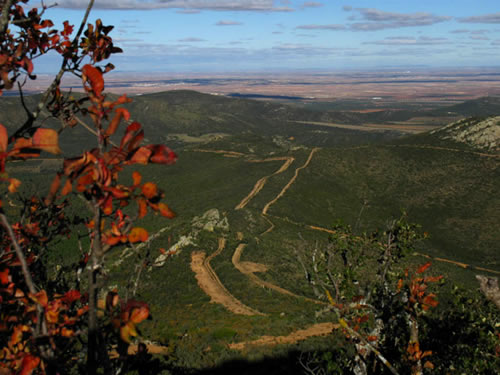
pixel 389 316
pixel 356 273
pixel 43 327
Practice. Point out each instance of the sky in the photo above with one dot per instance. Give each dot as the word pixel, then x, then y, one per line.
pixel 293 35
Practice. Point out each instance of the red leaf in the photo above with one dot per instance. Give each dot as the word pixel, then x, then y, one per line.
pixel 422 268
pixel 71 296
pixel 166 211
pixel 46 140
pixel 113 125
pixel 430 300
pixel 94 76
pixel 29 364
pixel 4 276
pixel 162 154
pixel 4 138
pixel 139 314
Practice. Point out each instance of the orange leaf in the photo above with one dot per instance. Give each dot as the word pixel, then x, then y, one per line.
pixel 14 184
pixel 429 365
pixel 141 156
pixel 40 297
pixel 52 316
pixel 372 338
pixel 166 211
pixel 4 138
pixel 94 76
pixel 68 186
pixel 112 300
pixel 136 177
pixel 111 240
pixel 107 206
pixel 143 207
pixel 23 148
pixel 139 314
pixel 149 190
pixel 46 140
pixel 128 330
pixel 400 284
pixel 422 268
pixel 138 235
pixel 65 332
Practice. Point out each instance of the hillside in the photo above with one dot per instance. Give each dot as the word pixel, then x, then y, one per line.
pixel 480 134
pixel 251 188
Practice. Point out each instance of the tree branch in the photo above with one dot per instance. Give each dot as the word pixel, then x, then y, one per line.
pixel 19 252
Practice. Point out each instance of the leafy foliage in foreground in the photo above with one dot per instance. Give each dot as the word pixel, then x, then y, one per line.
pixel 391 318
pixel 45 326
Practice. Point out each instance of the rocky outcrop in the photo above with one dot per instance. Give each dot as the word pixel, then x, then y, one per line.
pixel 481 134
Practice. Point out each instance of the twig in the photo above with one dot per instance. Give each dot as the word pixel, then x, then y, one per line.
pixel 24 265
pixel 82 123
pixel 57 80
pixel 352 332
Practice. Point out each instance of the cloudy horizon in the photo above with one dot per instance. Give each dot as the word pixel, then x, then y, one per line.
pixel 253 35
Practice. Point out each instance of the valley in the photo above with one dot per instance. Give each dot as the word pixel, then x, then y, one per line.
pixel 257 181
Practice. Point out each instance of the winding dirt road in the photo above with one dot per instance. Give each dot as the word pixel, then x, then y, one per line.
pixel 250 268
pixel 212 286
pixel 261 182
pixel 292 180
pixel 320 329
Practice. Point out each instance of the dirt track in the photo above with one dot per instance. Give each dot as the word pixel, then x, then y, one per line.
pixel 459 264
pixel 320 329
pixel 210 283
pixel 232 154
pixel 261 182
pixel 249 269
pixel 212 286
pixel 292 180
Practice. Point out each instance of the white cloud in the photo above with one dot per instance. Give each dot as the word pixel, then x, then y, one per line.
pixel 321 27
pixel 378 20
pixel 228 23
pixel 191 40
pixel 410 41
pixel 486 18
pixel 311 4
pixel 187 5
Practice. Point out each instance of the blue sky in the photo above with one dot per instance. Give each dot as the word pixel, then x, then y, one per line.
pixel 267 35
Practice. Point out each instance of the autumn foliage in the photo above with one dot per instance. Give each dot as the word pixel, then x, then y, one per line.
pixel 43 330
